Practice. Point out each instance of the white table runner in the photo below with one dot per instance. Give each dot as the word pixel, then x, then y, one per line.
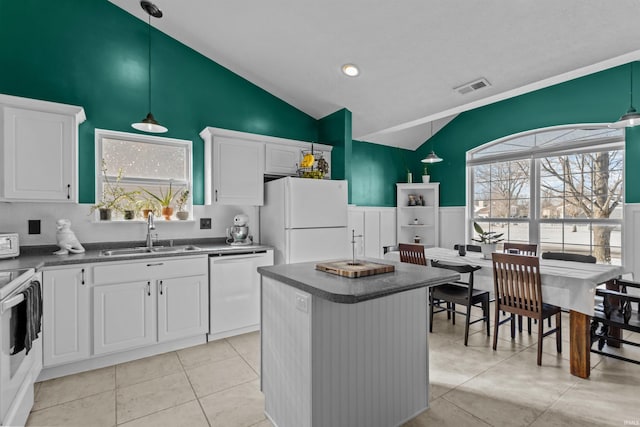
pixel 570 285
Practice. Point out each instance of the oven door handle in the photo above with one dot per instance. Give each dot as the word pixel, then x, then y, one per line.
pixel 11 302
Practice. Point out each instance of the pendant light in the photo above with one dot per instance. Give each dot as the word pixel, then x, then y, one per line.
pixel 631 117
pixel 149 123
pixel 432 157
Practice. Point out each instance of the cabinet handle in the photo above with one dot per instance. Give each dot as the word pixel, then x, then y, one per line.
pixel 68 191
pixel 82 276
pixel 160 287
pixel 216 195
pixel 155 263
pixel 149 288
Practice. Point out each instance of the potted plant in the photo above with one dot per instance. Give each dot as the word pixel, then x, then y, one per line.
pixel 164 199
pixel 488 240
pixel 113 195
pixel 425 175
pixel 147 205
pixel 130 205
pixel 181 201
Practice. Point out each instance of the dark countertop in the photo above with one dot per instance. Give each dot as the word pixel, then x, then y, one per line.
pixel 39 257
pixel 344 290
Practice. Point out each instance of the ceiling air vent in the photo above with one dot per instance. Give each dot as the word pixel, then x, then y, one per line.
pixel 472 86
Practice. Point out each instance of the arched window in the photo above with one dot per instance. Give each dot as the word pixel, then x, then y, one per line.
pixel 559 187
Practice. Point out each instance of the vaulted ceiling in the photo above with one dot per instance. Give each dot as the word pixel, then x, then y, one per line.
pixel 412 54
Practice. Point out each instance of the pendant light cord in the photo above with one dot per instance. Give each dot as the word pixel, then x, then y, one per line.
pixel 149 39
pixel 631 81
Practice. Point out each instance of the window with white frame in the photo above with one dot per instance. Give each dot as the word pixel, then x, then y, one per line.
pixel 560 187
pixel 141 166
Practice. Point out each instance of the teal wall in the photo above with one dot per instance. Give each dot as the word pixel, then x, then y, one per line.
pixel 93 54
pixel 375 170
pixel 597 98
pixel 335 130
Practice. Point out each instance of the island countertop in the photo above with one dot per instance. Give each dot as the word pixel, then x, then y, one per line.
pixel 344 290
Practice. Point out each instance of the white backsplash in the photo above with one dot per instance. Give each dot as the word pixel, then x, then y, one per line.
pixel 14 217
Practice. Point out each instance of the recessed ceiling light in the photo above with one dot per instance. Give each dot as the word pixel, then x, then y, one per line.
pixel 350 70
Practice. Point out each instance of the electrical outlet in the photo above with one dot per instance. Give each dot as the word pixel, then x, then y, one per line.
pixel 205 223
pixel 34 226
pixel 302 303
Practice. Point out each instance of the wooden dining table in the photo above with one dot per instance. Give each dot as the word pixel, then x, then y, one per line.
pixel 567 284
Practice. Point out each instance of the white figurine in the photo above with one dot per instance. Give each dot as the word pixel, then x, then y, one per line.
pixel 67 239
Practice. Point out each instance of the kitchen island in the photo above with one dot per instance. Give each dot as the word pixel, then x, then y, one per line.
pixel 340 351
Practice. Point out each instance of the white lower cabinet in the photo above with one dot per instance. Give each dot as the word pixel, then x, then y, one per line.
pixel 183 307
pixel 65 315
pixel 124 316
pixel 235 293
pixel 164 299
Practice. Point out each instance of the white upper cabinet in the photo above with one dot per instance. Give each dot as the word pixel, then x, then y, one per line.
pixel 39 150
pixel 282 159
pixel 236 162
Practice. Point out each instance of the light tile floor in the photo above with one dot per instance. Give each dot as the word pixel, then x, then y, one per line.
pixel 217 384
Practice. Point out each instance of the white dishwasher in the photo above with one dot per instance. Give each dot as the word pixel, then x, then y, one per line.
pixel 234 292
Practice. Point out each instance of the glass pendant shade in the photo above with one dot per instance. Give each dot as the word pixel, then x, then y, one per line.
pixel 431 158
pixel 631 118
pixel 149 123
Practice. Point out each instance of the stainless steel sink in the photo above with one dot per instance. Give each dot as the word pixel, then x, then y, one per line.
pixel 144 250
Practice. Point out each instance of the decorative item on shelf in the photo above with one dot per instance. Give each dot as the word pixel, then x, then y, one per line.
pixel 417 239
pixel 181 201
pixel 631 118
pixel 149 123
pixel 165 200
pixel 114 195
pixel 415 221
pixel 421 200
pixel 425 175
pixel 130 205
pixel 488 240
pixel 409 177
pixel 313 165
pixel 412 200
pixel 67 240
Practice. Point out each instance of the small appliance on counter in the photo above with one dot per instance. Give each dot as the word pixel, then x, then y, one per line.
pixel 238 234
pixel 9 245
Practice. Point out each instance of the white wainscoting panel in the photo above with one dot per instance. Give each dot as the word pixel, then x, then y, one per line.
pixel 377 225
pixel 452 226
pixel 631 239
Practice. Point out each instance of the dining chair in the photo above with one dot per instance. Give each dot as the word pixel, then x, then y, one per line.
pixel 518 291
pixel 616 313
pixel 567 256
pixel 530 249
pixel 411 253
pixel 461 293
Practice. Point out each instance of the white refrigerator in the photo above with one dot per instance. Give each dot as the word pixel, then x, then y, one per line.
pixel 305 219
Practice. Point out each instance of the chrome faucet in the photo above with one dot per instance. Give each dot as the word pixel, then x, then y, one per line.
pixel 150 226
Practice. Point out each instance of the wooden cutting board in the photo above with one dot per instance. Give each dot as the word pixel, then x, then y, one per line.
pixel 345 269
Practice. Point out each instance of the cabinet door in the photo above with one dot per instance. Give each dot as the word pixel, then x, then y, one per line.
pixel 65 316
pixel 238 172
pixel 235 293
pixel 39 156
pixel 124 316
pixel 183 307
pixel 281 159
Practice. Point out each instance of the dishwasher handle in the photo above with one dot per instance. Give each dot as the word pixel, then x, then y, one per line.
pixel 256 254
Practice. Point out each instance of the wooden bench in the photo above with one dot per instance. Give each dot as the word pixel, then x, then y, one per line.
pixel 616 311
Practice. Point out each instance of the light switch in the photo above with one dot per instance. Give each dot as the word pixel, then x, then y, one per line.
pixel 302 303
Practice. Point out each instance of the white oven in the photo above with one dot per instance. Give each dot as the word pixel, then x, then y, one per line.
pixel 19 369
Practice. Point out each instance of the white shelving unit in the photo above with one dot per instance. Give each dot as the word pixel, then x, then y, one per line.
pixel 419 220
